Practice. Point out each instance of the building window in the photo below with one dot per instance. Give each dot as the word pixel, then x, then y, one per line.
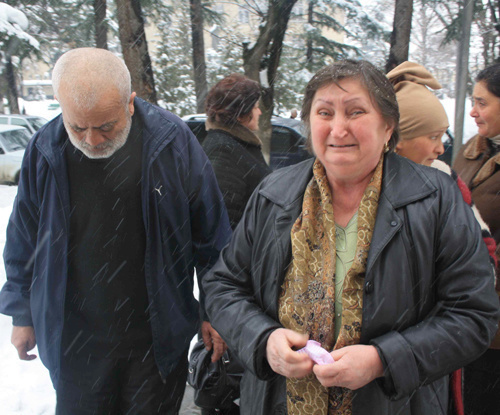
pixel 243 15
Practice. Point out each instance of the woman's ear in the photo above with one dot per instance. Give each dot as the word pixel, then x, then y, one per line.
pixel 399 146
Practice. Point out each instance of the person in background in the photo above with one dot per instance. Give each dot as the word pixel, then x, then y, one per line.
pixel 232 144
pixel 116 206
pixel 235 152
pixel 423 121
pixel 478 163
pixel 338 250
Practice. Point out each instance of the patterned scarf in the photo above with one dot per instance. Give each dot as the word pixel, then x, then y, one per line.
pixel 307 300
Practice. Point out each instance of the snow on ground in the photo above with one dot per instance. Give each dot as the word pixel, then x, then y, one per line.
pixel 25 387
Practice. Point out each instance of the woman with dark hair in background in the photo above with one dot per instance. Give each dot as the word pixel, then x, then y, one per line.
pixel 376 258
pixel 234 150
pixel 232 145
pixel 478 163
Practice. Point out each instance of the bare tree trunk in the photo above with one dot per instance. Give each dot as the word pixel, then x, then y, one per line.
pixel 400 36
pixel 101 28
pixel 262 60
pixel 199 66
pixel 309 45
pixel 135 48
pixel 11 86
pixel 462 75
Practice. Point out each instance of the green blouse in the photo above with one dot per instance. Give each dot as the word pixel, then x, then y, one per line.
pixel 345 242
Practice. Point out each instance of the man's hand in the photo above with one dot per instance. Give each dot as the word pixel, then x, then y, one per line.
pixel 23 339
pixel 212 339
pixel 354 367
pixel 283 359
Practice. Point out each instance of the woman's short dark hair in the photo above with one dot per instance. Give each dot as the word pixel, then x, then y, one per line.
pixel 491 77
pixel 232 98
pixel 378 86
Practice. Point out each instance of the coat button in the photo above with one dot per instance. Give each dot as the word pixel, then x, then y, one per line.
pixel 394 223
pixel 369 287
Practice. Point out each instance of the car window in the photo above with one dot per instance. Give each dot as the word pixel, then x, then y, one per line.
pixel 3 120
pixel 283 141
pixel 37 122
pixel 15 140
pixel 19 121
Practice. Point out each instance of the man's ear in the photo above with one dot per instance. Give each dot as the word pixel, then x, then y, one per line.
pixel 131 107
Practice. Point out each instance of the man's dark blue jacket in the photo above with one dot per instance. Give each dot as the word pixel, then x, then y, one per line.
pixel 186 226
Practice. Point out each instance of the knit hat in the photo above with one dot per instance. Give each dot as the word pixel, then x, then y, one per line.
pixel 421 113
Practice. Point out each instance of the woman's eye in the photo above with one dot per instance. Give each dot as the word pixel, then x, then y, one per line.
pixel 356 112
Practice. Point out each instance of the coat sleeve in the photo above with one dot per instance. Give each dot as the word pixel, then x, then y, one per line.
pixel 463 320
pixel 234 298
pixel 20 247
pixel 210 229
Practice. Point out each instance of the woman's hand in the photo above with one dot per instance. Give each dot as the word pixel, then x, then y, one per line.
pixel 354 367
pixel 283 359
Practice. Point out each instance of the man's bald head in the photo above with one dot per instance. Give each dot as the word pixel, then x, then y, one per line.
pixel 85 75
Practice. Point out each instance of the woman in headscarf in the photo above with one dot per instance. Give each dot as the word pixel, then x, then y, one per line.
pixel 376 258
pixel 423 122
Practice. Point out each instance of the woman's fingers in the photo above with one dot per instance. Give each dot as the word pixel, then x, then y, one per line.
pixel 283 359
pixel 354 367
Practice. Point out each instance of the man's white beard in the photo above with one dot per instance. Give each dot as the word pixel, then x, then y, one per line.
pixel 103 150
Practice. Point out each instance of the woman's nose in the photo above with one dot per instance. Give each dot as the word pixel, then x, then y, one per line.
pixel 473 112
pixel 338 126
pixel 439 148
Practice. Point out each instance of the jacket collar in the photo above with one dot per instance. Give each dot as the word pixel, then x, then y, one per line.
pixel 404 182
pixel 477 147
pixel 398 173
pixel 287 185
pixel 238 131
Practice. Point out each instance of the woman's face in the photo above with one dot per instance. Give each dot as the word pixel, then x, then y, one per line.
pixel 485 111
pixel 424 149
pixel 348 132
pixel 251 121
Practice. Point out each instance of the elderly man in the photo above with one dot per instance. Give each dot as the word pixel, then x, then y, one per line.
pixel 117 205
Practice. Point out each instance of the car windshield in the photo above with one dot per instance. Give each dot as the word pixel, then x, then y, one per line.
pixel 37 122
pixel 15 139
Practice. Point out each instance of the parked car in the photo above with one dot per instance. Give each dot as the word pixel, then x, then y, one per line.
pixel 448 147
pixel 288 139
pixel 13 142
pixel 30 122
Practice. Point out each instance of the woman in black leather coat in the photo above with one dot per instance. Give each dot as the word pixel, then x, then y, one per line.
pixel 417 299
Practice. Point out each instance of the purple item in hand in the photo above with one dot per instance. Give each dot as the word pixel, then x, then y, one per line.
pixel 319 355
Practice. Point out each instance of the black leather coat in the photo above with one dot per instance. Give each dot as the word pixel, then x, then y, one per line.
pixel 429 304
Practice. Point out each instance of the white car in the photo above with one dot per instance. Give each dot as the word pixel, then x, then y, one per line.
pixel 13 142
pixel 31 122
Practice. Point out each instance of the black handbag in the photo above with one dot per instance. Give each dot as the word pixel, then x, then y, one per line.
pixel 216 385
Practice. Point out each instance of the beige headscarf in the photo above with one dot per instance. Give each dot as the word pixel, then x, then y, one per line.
pixel 421 113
